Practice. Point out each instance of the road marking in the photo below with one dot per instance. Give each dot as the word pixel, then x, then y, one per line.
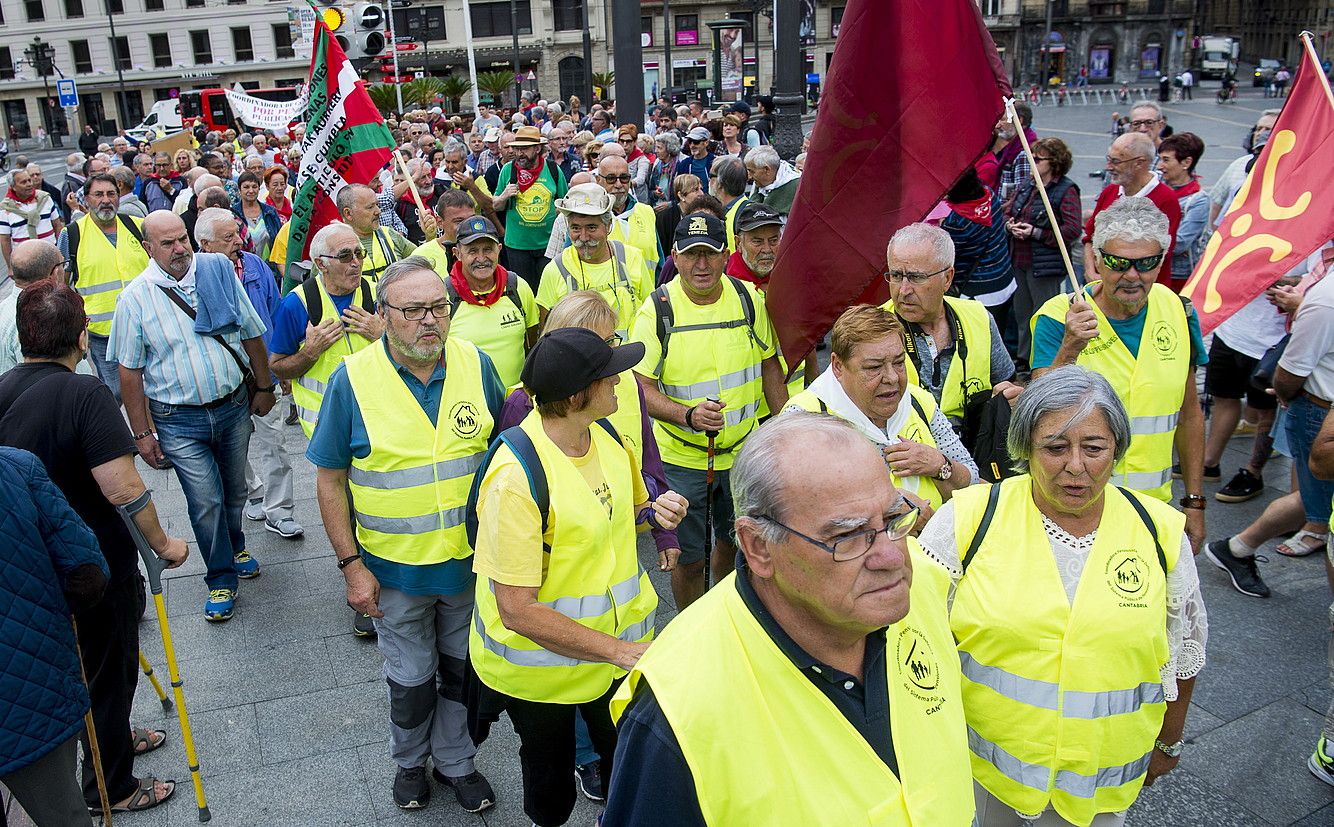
pixel 1189 114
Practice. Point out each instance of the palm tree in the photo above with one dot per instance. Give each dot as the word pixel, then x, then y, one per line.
pixel 453 88
pixel 421 92
pixel 495 84
pixel 604 81
pixel 384 96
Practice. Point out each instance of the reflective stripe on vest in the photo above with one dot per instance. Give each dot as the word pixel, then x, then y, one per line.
pixel 715 387
pixel 592 576
pixel 104 270
pixel 795 740
pixel 409 494
pixel 308 388
pixel 1152 384
pixel 1063 697
pixel 620 293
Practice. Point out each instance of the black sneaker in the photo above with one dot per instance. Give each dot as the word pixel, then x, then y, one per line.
pixel 472 790
pixel 1212 473
pixel 411 792
pixel 1245 576
pixel 1244 486
pixel 589 781
pixel 363 625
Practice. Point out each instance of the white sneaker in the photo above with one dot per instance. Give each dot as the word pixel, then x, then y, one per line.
pixel 286 528
pixel 254 510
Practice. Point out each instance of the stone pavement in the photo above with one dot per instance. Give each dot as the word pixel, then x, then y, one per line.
pixel 289 709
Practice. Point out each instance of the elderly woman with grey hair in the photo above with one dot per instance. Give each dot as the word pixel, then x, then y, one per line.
pixel 1146 341
pixel 1077 613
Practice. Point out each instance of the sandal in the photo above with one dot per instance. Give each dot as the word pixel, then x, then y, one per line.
pixel 143 798
pixel 1296 545
pixel 147 740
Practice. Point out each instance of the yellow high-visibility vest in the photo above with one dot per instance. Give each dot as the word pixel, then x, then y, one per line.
pixel 725 687
pixel 639 230
pixel 970 368
pixel 1152 386
pixel 1064 699
pixel 593 576
pixel 730 221
pixel 379 254
pixel 409 494
pixel 308 388
pixel 917 428
pixel 100 271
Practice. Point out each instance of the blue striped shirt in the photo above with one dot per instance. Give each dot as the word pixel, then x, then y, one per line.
pixel 180 366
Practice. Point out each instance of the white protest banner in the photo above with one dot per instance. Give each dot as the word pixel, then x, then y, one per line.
pixel 265 114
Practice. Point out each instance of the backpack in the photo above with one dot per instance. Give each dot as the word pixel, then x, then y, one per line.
pixel 72 242
pixel 522 445
pixel 666 316
pixel 315 307
pixel 511 293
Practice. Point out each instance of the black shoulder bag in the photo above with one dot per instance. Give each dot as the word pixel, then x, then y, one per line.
pixel 247 375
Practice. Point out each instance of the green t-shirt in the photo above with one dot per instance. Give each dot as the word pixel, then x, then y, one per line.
pixel 532 212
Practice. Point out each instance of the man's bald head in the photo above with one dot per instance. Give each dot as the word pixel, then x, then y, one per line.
pixel 612 150
pixel 204 181
pixel 1135 144
pixel 160 222
pixel 35 261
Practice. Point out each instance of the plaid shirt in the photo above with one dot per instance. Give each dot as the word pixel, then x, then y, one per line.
pixel 1014 175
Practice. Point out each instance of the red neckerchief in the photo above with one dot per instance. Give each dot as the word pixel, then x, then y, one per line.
pixel 1189 188
pixel 738 268
pixel 10 194
pixel 977 211
pixel 465 290
pixel 528 177
pixel 636 153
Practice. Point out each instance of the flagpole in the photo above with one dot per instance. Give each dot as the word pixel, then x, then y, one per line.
pixel 472 58
pixel 1013 117
pixel 1307 39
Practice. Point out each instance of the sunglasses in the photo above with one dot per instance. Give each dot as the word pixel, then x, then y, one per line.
pixel 347 256
pixel 1120 264
pixel 611 179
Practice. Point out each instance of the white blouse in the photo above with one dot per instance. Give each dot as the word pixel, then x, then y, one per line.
pixel 1187 622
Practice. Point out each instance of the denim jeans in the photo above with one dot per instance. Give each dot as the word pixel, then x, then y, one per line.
pixel 208 448
pixel 108 372
pixel 1303 423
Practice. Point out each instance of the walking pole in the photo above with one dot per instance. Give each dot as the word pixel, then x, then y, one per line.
pixel 154 565
pixel 708 510
pixel 92 735
pixel 1042 191
pixel 157 687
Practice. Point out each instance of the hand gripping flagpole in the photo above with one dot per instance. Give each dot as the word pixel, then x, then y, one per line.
pixel 1013 118
pixel 154 566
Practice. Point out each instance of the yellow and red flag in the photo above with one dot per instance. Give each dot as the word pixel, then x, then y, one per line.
pixel 1281 214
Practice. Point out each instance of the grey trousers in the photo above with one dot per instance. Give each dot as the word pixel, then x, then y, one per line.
pixel 48 789
pixel 272 480
pixel 424 641
pixel 1030 294
pixel 992 812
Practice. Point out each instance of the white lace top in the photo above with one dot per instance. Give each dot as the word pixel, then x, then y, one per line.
pixel 1187 622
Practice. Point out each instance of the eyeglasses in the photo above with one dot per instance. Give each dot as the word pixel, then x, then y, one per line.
pixel 418 313
pixel 1120 264
pixel 1116 162
pixel 347 256
pixel 914 277
pixel 857 544
pixel 611 179
pixel 626 140
pixel 614 340
pixel 1141 124
pixel 1041 158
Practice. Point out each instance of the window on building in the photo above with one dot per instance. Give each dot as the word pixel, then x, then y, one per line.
pixel 6 64
pixel 835 20
pixel 194 4
pixel 120 53
pixel 493 19
pixel 646 31
pixel 991 8
pixel 687 31
pixel 569 15
pixel 1160 7
pixel 426 23
pixel 201 46
pixel 73 8
pixel 83 56
pixel 242 49
pixel 116 6
pixel 153 5
pixel 36 14
pixel 160 45
pixel 1107 8
pixel 689 76
pixel 282 41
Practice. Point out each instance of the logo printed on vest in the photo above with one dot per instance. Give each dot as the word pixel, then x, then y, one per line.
pixel 1128 577
pixel 917 662
pixel 510 319
pixel 1164 339
pixel 465 421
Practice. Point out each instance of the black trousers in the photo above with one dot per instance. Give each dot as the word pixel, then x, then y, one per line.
pixel 527 263
pixel 546 752
pixel 109 639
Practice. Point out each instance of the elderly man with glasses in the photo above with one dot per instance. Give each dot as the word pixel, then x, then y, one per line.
pixel 1146 341
pixel 1147 117
pixel 1130 167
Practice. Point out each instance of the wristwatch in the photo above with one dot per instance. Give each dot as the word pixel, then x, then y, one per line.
pixel 1170 750
pixel 946 471
pixel 1193 501
pixel 269 389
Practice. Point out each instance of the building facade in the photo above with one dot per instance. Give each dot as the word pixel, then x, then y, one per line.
pixel 1117 41
pixel 1270 29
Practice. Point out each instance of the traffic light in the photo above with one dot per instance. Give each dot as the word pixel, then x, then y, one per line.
pixel 368 23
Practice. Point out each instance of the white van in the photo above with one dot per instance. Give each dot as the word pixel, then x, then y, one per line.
pixel 163 119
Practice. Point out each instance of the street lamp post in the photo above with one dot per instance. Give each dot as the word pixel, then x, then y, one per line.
pixel 788 77
pixel 123 109
pixel 587 79
pixel 518 73
pixel 40 56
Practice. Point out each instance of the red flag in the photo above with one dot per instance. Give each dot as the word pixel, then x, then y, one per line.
pixel 913 93
pixel 1281 214
pixel 346 141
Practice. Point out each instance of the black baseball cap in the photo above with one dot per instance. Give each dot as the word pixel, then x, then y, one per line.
pixel 752 215
pixel 700 230
pixel 477 227
pixel 567 360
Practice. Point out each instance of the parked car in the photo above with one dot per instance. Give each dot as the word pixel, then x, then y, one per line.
pixel 1264 71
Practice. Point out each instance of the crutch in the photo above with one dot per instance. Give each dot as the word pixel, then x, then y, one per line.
pixel 157 687
pixel 154 566
pixel 92 736
pixel 708 510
